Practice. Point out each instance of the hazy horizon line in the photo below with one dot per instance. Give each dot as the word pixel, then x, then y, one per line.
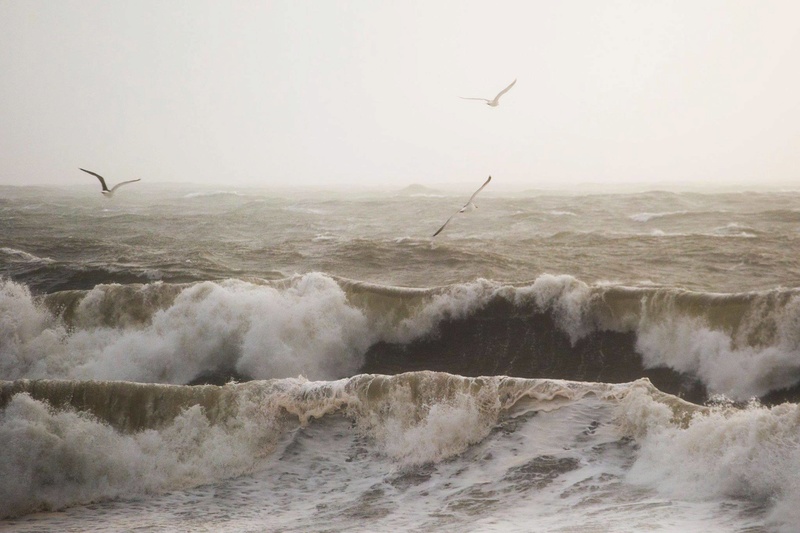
pixel 433 186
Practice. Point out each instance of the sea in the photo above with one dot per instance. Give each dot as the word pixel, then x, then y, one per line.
pixel 191 358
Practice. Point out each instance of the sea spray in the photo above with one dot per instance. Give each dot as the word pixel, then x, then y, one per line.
pixel 532 439
pixel 718 453
pixel 322 327
pixel 55 458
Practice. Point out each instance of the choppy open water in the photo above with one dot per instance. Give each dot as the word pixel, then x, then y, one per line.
pixel 187 359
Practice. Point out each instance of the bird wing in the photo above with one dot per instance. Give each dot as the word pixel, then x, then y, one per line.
pixel 504 91
pixel 438 231
pixel 485 183
pixel 98 176
pixel 118 185
pixel 465 98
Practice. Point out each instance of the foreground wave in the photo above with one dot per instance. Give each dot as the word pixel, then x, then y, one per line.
pixel 477 447
pixel 688 343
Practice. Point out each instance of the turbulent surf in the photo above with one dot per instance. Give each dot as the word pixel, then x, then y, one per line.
pixel 241 360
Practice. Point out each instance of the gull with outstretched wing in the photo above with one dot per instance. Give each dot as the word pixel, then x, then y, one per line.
pixel 106 191
pixel 496 100
pixel 469 206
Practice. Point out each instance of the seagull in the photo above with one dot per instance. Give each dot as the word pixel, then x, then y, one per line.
pixel 106 192
pixel 469 206
pixel 496 101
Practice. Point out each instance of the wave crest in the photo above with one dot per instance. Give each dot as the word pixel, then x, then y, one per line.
pixel 69 444
pixel 322 327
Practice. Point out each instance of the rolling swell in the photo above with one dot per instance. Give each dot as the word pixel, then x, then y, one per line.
pixel 691 344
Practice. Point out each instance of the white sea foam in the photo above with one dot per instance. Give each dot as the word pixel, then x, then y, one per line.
pixel 415 427
pixel 728 363
pixel 415 451
pixel 307 328
pixel 207 194
pixel 322 237
pixel 315 326
pixel 27 333
pixel 567 297
pixel 22 255
pixel 454 302
pixel 734 229
pixel 751 454
pixel 51 459
pixel 646 217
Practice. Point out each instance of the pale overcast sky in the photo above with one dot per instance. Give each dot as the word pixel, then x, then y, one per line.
pixel 260 93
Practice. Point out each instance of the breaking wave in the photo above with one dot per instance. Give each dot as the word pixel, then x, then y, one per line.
pixel 321 327
pixel 70 442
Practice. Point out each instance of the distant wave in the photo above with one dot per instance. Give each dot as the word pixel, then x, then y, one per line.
pixel 21 255
pixel 326 237
pixel 301 209
pixel 49 276
pixel 734 229
pixel 646 217
pixel 206 194
pixel 725 232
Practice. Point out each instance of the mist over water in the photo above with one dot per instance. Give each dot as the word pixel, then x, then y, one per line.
pixel 75 239
pixel 313 360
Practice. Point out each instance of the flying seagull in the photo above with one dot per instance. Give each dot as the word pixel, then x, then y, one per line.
pixel 496 101
pixel 106 192
pixel 469 206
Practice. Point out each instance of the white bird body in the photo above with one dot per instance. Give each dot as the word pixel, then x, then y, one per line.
pixel 494 102
pixel 469 206
pixel 108 193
